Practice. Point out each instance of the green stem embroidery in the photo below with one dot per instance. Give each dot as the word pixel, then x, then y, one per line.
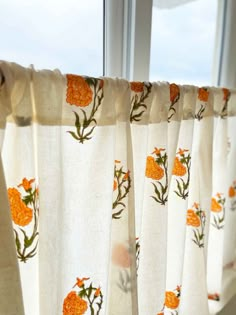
pixel 172 109
pixel 137 103
pixel 198 231
pixel 218 219
pixel 86 125
pixel 28 248
pixel 86 292
pixel 182 188
pixel 158 170
pixel 122 181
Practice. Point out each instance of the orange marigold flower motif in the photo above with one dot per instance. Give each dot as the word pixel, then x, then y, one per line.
pixel 193 219
pixel 97 292
pixel 174 92
pixel 74 305
pixel 203 94
pixel 114 185
pixel 171 300
pixel 215 206
pixel 153 170
pixel 157 151
pixel 26 184
pixel 179 169
pixel 226 93
pixel 137 86
pixel 78 92
pixel 80 282
pixel 231 192
pixel 121 256
pixel 21 214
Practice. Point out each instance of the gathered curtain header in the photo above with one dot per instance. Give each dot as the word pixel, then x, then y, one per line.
pixel 75 99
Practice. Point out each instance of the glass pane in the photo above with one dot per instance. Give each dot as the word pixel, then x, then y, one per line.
pixel 182 45
pixel 53 34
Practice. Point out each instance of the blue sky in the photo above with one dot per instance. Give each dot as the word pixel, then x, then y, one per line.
pixel 68 35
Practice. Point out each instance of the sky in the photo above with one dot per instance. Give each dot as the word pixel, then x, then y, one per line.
pixel 183 43
pixel 69 35
pixel 64 34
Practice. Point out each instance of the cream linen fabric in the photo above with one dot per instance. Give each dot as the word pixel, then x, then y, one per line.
pixel 138 219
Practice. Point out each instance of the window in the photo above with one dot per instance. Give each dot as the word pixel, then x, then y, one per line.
pixel 183 43
pixel 54 34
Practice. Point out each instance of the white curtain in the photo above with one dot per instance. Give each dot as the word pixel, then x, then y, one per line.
pixel 117 198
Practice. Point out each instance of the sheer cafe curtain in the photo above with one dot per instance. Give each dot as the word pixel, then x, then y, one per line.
pixel 117 198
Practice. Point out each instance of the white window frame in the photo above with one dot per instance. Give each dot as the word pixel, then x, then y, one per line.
pixel 128 41
pixel 224 70
pixel 128 38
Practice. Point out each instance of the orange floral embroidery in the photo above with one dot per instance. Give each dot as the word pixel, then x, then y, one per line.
pixel 114 185
pixel 21 214
pixel 153 170
pixel 171 300
pixel 97 292
pixel 80 282
pixel 174 91
pixel 138 99
pixel 215 206
pixel 232 195
pixel 126 176
pixel 226 97
pixel 121 188
pixel 192 218
pixel 74 305
pixel 226 93
pixel 121 256
pixel 179 169
pixel 174 97
pixel 214 297
pixel 196 218
pixel 137 86
pixel 218 211
pixel 157 151
pixel 232 192
pixel 203 94
pixel 26 184
pixel 156 169
pixel 79 92
pixel 182 151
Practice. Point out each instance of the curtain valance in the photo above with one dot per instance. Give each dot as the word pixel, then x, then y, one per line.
pixel 25 95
